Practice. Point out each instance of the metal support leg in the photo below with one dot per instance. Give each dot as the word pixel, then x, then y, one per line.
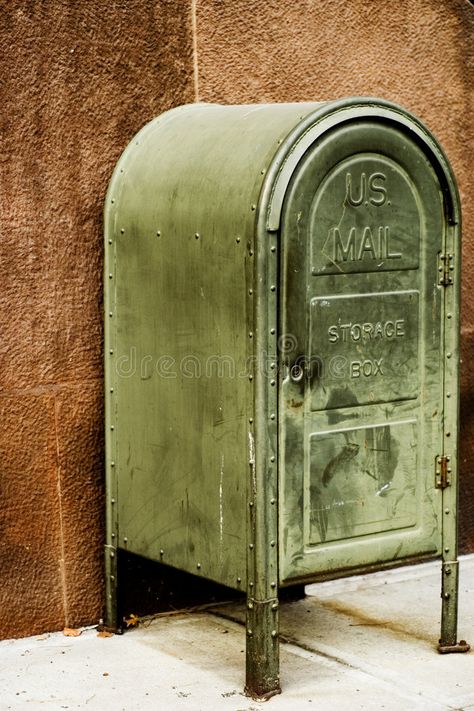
pixel 262 644
pixel 262 649
pixel 112 622
pixel 449 610
pixel 448 642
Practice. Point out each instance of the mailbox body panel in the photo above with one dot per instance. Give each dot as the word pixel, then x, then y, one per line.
pixel 180 325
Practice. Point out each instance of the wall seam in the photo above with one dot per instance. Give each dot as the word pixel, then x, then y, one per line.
pixel 62 562
pixel 195 49
pixel 44 390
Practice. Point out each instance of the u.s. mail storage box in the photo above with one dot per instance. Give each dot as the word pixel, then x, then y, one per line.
pixel 281 351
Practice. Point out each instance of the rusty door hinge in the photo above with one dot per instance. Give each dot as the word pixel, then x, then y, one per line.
pixel 446 269
pixel 442 472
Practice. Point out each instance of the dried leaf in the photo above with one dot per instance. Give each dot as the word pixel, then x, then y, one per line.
pixel 105 633
pixel 131 621
pixel 70 632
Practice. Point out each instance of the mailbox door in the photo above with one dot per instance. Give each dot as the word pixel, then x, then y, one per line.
pixel 361 353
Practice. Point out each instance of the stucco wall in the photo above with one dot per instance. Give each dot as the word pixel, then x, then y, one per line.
pixel 79 78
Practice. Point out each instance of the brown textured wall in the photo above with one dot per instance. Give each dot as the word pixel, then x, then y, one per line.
pixel 78 78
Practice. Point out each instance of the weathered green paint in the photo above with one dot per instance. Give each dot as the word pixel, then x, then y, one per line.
pixel 262 659
pixel 237 251
pixel 363 223
pixel 452 355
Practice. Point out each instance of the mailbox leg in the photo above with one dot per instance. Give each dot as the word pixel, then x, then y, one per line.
pixel 111 606
pixel 449 611
pixel 448 642
pixel 262 649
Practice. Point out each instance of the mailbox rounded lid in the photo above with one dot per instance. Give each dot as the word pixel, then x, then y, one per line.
pixel 346 121
pixel 212 167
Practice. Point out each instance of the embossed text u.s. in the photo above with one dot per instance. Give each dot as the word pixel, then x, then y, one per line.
pixel 370 189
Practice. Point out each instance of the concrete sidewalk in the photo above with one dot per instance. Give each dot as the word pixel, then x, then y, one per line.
pixel 365 642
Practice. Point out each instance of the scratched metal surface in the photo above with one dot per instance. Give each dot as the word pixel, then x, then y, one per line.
pixel 362 223
pixel 180 241
pixel 361 401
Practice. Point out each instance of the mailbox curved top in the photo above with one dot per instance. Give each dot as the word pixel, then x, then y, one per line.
pixel 201 162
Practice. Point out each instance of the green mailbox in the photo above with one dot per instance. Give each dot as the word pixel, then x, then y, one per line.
pixel 281 352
